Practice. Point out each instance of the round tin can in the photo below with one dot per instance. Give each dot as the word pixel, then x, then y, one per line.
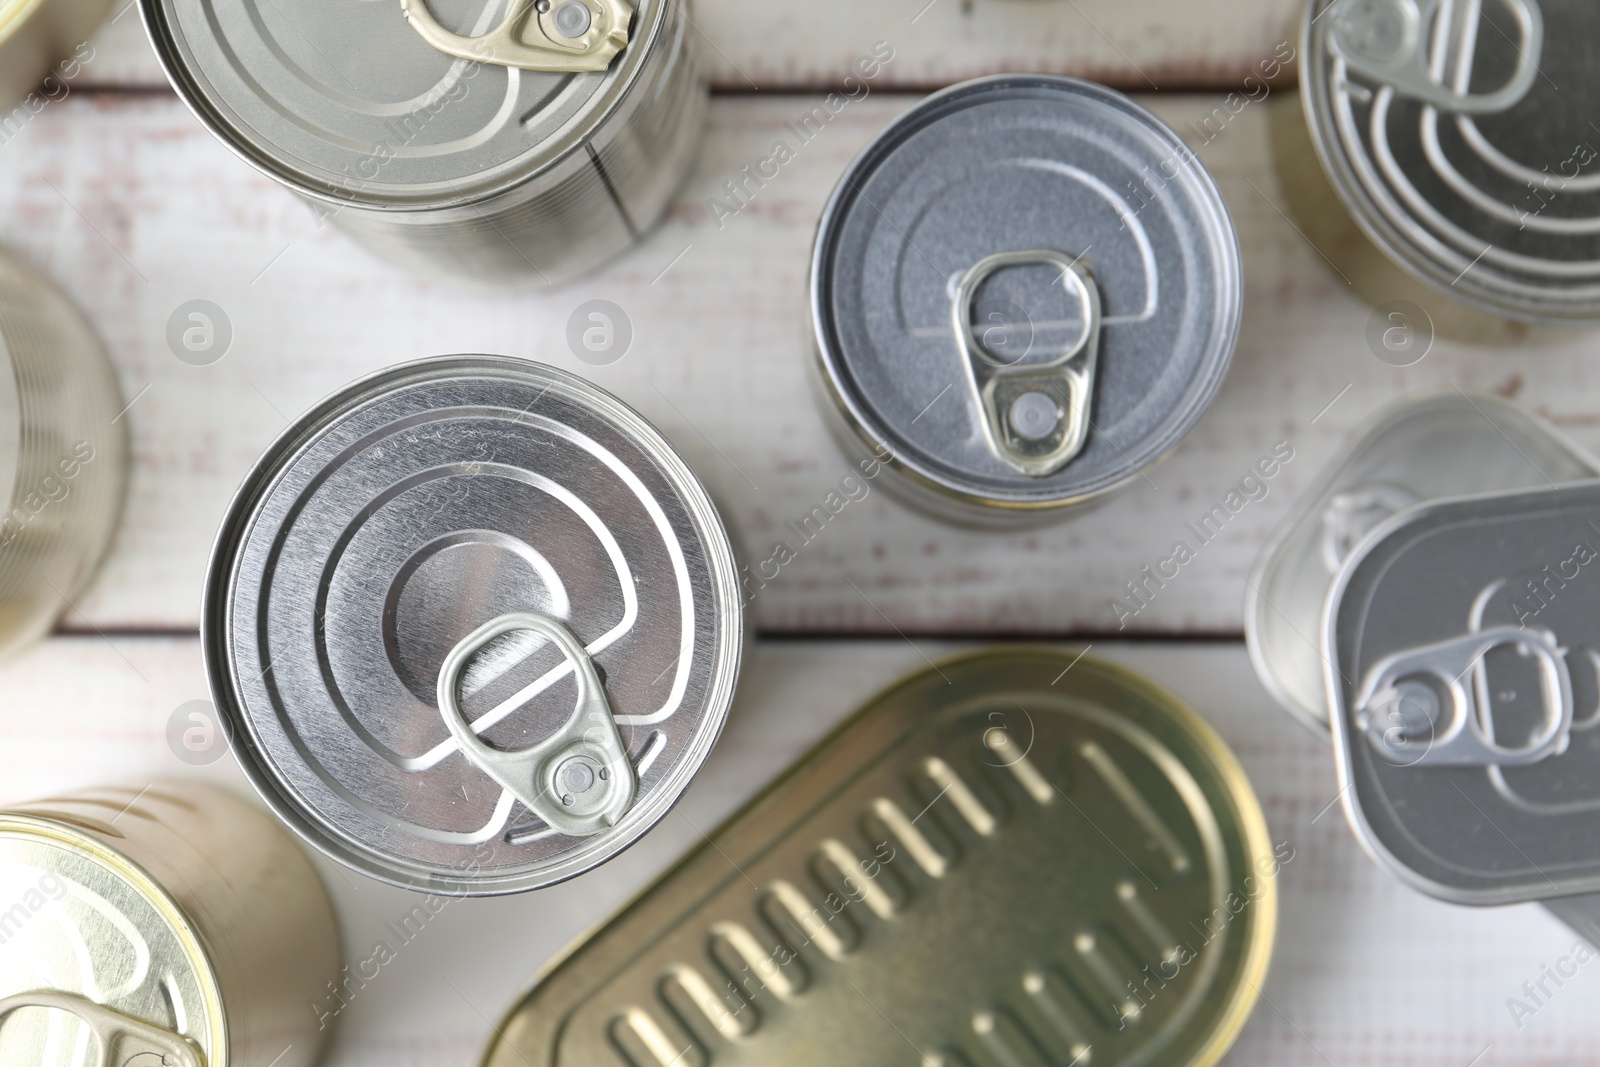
pixel 174 925
pixel 1017 856
pixel 489 140
pixel 1423 448
pixel 1024 292
pixel 475 625
pixel 36 34
pixel 1458 136
pixel 63 453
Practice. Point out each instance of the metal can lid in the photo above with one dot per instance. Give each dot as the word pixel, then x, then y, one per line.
pixel 1458 136
pixel 95 952
pixel 1026 290
pixel 1075 855
pixel 1463 676
pixel 1425 447
pixel 379 103
pixel 475 625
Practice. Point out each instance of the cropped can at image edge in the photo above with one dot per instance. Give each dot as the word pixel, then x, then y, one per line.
pixel 1024 293
pixel 39 38
pixel 1020 855
pixel 500 143
pixel 173 925
pixel 474 625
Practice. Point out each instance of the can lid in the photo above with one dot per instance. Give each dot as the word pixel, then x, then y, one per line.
pixel 1424 447
pixel 97 954
pixel 1464 680
pixel 475 624
pixel 1458 136
pixel 1075 855
pixel 403 104
pixel 1026 289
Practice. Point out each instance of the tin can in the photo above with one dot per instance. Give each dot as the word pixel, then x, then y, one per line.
pixel 1018 856
pixel 34 36
pixel 63 453
pixel 490 141
pixel 1024 292
pixel 475 625
pixel 1463 677
pixel 1420 449
pixel 1457 134
pixel 174 924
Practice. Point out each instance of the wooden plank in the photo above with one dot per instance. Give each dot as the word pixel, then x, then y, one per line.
pixel 1366 970
pixel 779 47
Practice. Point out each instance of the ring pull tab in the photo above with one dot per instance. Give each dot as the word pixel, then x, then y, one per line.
pixel 1386 42
pixel 1353 514
pixel 579 780
pixel 557 36
pixel 1417 707
pixel 1035 415
pixel 123 1039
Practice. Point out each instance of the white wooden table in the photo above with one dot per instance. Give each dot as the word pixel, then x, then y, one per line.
pixel 120 194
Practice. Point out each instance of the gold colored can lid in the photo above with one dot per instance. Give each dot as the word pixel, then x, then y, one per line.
pixel 97 963
pixel 1018 856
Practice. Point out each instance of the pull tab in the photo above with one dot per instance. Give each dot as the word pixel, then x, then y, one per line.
pixel 123 1038
pixel 578 780
pixel 1422 692
pixel 1035 415
pixel 558 36
pixel 1353 514
pixel 1386 41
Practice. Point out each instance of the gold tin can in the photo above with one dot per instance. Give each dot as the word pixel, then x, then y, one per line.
pixel 1017 856
pixel 35 35
pixel 176 926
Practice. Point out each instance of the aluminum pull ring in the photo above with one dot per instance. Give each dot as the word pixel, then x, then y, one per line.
pixel 1035 415
pixel 123 1039
pixel 566 36
pixel 579 780
pixel 1461 734
pixel 1386 42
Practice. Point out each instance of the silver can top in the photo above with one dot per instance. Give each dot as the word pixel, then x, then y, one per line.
pixel 414 104
pixel 1463 676
pixel 1458 135
pixel 475 625
pixel 1026 290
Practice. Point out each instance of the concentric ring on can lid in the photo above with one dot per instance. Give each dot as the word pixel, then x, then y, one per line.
pixel 1097 268
pixel 347 101
pixel 1458 136
pixel 367 550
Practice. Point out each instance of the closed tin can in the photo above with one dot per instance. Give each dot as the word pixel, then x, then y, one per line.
pixel 1463 678
pixel 1024 292
pixel 1017 856
pixel 475 625
pixel 63 453
pixel 1458 136
pixel 485 140
pixel 173 925
pixel 1420 449
pixel 34 36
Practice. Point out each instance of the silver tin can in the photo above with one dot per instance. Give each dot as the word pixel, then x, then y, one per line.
pixel 36 36
pixel 63 453
pixel 1024 292
pixel 1458 136
pixel 1463 676
pixel 470 138
pixel 474 624
pixel 1422 448
pixel 172 925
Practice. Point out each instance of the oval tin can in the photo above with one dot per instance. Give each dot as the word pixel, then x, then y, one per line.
pixel 1017 856
pixel 63 453
pixel 1024 292
pixel 475 625
pixel 35 35
pixel 1422 448
pixel 478 139
pixel 173 925
pixel 1457 134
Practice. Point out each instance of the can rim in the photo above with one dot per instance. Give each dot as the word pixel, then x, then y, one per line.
pixel 216 628
pixel 828 356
